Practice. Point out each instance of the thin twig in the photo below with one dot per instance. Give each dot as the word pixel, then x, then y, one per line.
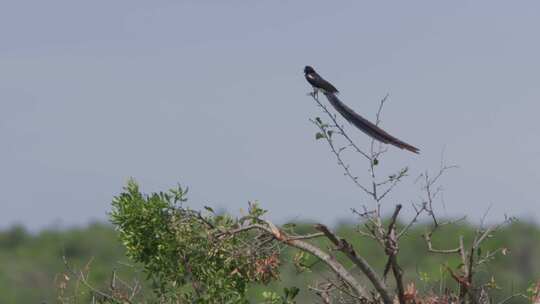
pixel 340 128
pixel 340 161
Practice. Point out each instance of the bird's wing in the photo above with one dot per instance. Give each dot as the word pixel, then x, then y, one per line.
pixel 366 126
pixel 317 81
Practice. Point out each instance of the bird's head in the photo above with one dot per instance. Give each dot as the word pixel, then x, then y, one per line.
pixel 308 69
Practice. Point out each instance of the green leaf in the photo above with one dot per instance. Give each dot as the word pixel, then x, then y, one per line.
pixel 318 119
pixel 319 135
pixel 375 161
pixel 291 293
pixel 209 209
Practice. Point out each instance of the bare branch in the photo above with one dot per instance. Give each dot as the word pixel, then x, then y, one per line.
pixel 427 238
pixel 323 292
pixel 297 242
pixel 391 249
pixel 83 279
pixel 306 237
pixel 414 219
pixel 343 246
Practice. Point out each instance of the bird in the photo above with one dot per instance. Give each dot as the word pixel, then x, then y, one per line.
pixel 317 82
pixel 320 84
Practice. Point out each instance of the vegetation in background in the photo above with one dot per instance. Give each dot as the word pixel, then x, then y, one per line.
pixel 31 266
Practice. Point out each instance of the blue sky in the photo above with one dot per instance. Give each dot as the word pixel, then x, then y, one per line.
pixel 211 95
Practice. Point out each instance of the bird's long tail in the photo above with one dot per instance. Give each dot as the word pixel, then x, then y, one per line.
pixel 366 126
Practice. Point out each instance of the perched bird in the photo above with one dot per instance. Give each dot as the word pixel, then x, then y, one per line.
pixel 317 82
pixel 350 115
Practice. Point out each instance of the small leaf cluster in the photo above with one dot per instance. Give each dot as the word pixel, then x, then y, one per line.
pixel 325 129
pixel 288 297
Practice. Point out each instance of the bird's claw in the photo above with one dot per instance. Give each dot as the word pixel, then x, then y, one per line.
pixel 313 94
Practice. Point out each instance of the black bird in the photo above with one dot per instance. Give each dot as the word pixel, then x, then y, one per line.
pixel 350 115
pixel 317 82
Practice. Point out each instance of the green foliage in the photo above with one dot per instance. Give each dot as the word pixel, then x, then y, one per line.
pixel 183 252
pixel 32 266
pixel 289 294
